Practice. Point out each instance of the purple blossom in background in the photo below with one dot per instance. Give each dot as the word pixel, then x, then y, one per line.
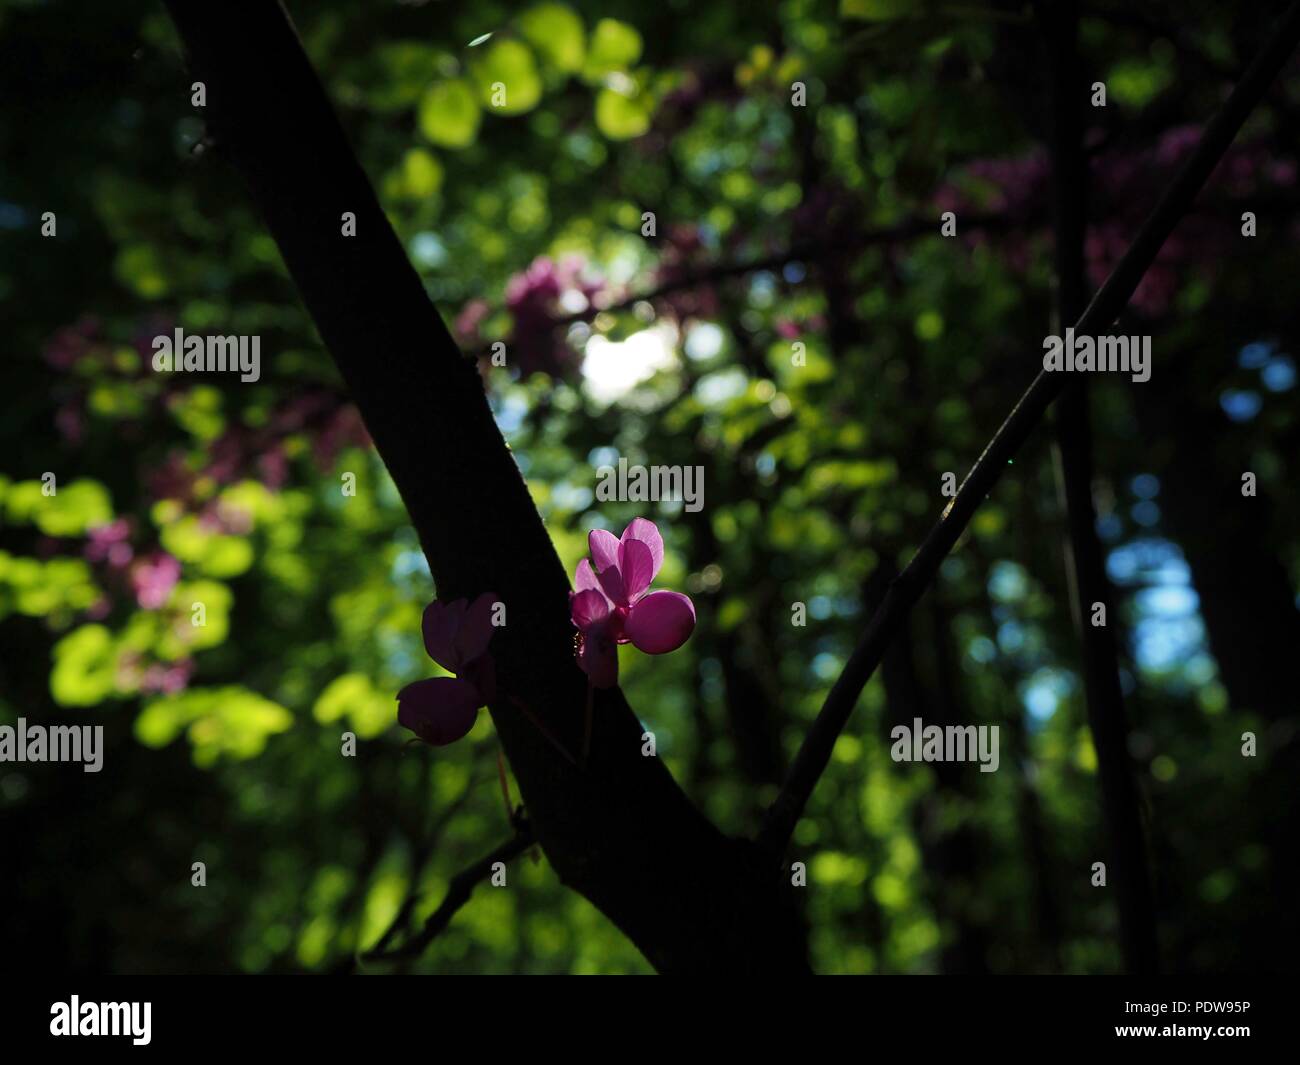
pixel 171 480
pixel 153 678
pixel 471 317
pixel 683 255
pixel 153 577
pixel 70 343
pixel 1123 185
pixel 110 543
pixel 341 428
pixel 441 710
pixel 70 421
pixel 533 299
pixel 324 416
pixel 159 679
pixel 273 467
pixel 612 603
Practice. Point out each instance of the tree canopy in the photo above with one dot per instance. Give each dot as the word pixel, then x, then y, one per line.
pixel 810 250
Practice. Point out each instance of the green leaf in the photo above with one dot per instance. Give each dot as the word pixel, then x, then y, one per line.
pixel 139 268
pixel 507 78
pixel 215 554
pixel 369 710
pixel 232 721
pixel 199 413
pixel 556 31
pixel 216 599
pixel 42 589
pixel 620 117
pixel 85 667
pixel 1135 83
pixel 876 10
pixel 614 46
pixel 421 174
pixel 449 114
pixel 72 509
pixel 400 73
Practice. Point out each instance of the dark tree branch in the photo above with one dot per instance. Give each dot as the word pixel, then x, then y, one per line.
pixel 423 846
pixel 622 833
pixel 423 851
pixel 458 893
pixel 814 251
pixel 1085 560
pixel 1109 302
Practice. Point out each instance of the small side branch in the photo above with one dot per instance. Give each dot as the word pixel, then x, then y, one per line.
pixel 458 893
pixel 688 279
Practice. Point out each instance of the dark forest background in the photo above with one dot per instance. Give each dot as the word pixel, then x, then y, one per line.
pixel 776 225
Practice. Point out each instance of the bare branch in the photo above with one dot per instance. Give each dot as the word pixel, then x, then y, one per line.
pixel 458 893
pixel 802 252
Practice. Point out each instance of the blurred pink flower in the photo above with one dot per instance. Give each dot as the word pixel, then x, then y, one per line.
pixel 109 543
pixel 172 479
pixel 159 679
pixel 153 577
pixel 70 343
pixel 533 299
pixel 70 421
pixel 470 318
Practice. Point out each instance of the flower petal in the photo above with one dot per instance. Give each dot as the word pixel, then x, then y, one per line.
pixel 647 532
pixel 482 674
pixel 441 623
pixel 585 577
pixel 476 628
pixel 603 545
pixel 588 608
pixel 440 710
pixel 636 567
pixel 598 657
pixel 661 622
pixel 611 581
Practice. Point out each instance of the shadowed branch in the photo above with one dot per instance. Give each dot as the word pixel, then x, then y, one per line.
pixel 458 893
pixel 815 752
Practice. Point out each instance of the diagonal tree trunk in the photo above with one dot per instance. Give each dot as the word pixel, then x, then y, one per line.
pixel 1086 566
pixel 622 833
pixel 815 751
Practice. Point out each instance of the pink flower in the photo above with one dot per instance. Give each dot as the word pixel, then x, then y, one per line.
pixel 110 543
pixel 533 298
pixel 153 578
pixel 441 710
pixel 471 316
pixel 611 605
pixel 167 680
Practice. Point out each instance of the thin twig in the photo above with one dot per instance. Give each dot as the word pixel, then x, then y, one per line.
pixel 458 893
pixel 423 848
pixel 1110 301
pixel 805 251
pixel 505 785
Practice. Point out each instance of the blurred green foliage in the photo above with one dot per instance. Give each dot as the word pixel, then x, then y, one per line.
pixel 224 738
